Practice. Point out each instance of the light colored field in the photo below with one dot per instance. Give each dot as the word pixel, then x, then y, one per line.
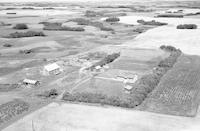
pixel 186 40
pixel 74 117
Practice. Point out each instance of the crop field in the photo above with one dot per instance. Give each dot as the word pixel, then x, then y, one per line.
pixel 11 109
pixel 178 91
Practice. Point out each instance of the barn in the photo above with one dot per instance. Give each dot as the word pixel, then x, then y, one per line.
pixel 53 68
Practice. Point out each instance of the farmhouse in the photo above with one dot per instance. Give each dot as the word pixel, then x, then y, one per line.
pixel 30 82
pixel 54 69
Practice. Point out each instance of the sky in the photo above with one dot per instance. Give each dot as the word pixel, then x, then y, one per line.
pixel 77 0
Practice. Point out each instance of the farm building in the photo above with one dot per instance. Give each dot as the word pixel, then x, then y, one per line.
pixel 53 68
pixel 30 82
pixel 128 87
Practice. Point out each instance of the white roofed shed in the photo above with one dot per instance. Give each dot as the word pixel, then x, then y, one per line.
pixel 30 82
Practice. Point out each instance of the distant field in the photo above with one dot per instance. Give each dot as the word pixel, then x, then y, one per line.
pixel 178 91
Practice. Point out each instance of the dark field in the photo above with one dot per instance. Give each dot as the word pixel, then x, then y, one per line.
pixel 178 91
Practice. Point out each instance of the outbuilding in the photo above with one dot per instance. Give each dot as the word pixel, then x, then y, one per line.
pixel 53 68
pixel 31 82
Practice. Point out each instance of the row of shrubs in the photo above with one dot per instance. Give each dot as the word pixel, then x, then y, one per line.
pixel 99 98
pixel 59 27
pixel 170 15
pixel 90 13
pixel 25 34
pixel 12 109
pixel 168 48
pixel 153 22
pixel 139 91
pixel 112 19
pixel 106 60
pixel 82 21
pixel 187 26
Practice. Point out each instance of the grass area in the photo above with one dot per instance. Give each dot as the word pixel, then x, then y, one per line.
pixel 8 87
pixel 178 91
pixel 12 109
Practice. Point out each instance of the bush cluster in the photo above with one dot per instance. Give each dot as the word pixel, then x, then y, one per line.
pixel 20 26
pixel 169 61
pixel 139 30
pixel 187 26
pixel 82 21
pixel 27 8
pixel 170 15
pixel 99 98
pixel 27 51
pixel 59 27
pixel 49 23
pixel 7 45
pixel 112 19
pixel 25 34
pixel 153 22
pixel 49 94
pixel 168 48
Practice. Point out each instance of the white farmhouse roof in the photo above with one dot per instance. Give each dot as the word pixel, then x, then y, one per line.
pixel 51 67
pixel 30 81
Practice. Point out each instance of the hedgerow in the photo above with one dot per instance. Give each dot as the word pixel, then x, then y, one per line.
pixel 112 19
pixel 25 34
pixel 187 26
pixel 153 22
